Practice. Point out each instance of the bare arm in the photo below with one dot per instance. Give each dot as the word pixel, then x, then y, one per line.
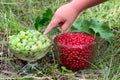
pixel 80 5
pixel 66 14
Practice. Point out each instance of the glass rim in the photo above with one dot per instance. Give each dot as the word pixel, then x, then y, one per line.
pixel 30 50
pixel 75 46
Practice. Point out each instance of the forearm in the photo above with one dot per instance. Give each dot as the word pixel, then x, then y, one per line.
pixel 81 5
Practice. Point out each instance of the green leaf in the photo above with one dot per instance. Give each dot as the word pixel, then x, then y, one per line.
pixel 43 21
pixel 27 79
pixel 54 30
pixel 64 69
pixel 94 27
pixel 37 24
pixel 102 29
pixel 82 26
pixel 48 14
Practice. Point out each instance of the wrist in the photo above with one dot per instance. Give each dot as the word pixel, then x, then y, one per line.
pixel 78 5
pixel 81 5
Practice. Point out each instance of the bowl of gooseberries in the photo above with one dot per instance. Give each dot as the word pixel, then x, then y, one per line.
pixel 29 45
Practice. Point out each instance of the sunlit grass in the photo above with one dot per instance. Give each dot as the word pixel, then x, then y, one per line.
pixel 16 15
pixel 108 12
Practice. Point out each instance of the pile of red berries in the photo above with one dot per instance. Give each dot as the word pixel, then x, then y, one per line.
pixel 75 49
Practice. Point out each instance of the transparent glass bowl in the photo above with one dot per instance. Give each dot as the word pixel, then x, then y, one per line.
pixel 74 57
pixel 30 56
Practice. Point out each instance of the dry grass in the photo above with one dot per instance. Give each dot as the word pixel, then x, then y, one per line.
pixel 19 15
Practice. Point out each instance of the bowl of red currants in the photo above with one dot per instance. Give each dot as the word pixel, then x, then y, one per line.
pixel 74 50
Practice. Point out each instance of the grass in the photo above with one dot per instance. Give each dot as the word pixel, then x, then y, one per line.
pixel 19 15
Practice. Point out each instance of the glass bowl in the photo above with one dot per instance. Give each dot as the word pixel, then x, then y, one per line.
pixel 29 47
pixel 30 56
pixel 74 57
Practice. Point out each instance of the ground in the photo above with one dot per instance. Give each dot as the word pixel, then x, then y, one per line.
pixel 19 15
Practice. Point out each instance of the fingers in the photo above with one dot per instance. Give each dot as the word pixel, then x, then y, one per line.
pixel 54 22
pixel 57 21
pixel 65 26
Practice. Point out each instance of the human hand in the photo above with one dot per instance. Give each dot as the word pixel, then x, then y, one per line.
pixel 66 14
pixel 63 18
